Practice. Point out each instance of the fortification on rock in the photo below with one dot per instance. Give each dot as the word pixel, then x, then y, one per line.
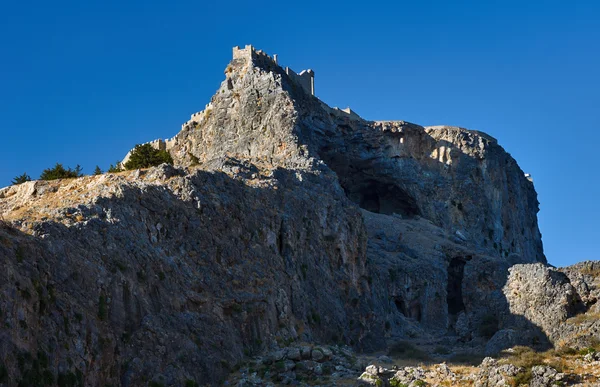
pixel 305 78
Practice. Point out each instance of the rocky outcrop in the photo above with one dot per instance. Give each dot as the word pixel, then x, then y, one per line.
pixel 119 277
pixel 283 220
pixel 585 278
pixel 463 185
pixel 543 296
pixel 461 180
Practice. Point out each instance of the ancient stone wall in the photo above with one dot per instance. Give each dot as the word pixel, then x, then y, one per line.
pixel 306 79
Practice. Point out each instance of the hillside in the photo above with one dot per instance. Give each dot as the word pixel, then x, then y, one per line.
pixel 283 224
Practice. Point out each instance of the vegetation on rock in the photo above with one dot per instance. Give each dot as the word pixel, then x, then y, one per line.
pixel 118 167
pixel 21 179
pixel 146 156
pixel 59 172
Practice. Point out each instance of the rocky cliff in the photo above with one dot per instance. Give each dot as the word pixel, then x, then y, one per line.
pixel 282 221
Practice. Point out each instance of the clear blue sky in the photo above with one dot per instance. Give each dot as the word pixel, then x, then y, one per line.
pixel 84 81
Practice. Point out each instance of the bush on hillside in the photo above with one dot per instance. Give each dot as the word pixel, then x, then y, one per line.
pixel 21 179
pixel 118 167
pixel 146 156
pixel 59 172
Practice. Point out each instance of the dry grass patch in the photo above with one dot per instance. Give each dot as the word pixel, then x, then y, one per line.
pixel 526 357
pixel 583 318
pixel 591 270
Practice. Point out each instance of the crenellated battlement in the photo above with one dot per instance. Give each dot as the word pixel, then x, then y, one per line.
pixel 306 78
pixel 257 56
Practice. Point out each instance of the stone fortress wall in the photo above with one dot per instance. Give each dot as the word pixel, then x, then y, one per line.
pixel 305 78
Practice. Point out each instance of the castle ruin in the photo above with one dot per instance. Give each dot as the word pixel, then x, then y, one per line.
pixel 306 78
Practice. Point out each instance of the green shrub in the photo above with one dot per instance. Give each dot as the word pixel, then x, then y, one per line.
pixel 566 351
pixel 523 378
pixel 525 357
pixel 97 171
pixel 586 351
pixel 21 179
pixel 115 168
pixel 59 172
pixel 146 156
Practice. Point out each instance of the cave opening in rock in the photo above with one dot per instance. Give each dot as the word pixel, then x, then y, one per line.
pixel 370 202
pixel 410 310
pixel 382 198
pixel 399 302
pixel 456 270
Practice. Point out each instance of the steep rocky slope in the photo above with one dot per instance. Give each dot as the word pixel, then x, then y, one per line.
pixel 283 220
pixel 121 277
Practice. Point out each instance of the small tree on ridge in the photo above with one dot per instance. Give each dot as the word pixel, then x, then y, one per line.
pixel 59 172
pixel 21 179
pixel 146 156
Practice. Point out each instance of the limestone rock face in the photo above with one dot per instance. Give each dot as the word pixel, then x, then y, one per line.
pixel 461 180
pixel 554 304
pixel 545 297
pixel 459 187
pixel 585 278
pixel 251 117
pixel 133 273
pixel 283 220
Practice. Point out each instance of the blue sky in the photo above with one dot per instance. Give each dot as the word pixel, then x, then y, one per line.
pixel 83 82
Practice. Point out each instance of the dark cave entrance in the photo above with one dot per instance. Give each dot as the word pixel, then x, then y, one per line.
pixel 412 310
pixel 399 302
pixel 456 270
pixel 365 183
pixel 382 198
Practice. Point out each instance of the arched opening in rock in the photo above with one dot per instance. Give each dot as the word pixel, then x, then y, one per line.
pixel 412 310
pixel 400 305
pixel 381 197
pixel 456 270
pixel 370 202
